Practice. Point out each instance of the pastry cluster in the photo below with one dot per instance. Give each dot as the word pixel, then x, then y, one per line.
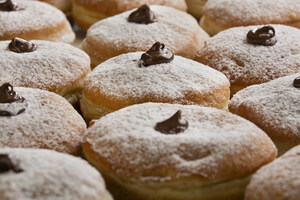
pixel 162 100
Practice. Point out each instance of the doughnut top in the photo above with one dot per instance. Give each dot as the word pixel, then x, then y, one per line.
pixel 49 121
pixel 217 145
pixel 30 15
pixel 232 13
pixel 52 66
pixel 120 79
pixel 244 63
pixel 283 179
pixel 50 175
pixel 273 106
pixel 120 35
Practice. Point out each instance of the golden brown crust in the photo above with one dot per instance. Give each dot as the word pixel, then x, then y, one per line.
pixel 112 7
pixel 63 5
pixel 195 7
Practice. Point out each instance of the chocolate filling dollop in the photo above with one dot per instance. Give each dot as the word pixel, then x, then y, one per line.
pixel 262 36
pixel 8 5
pixel 11 103
pixel 297 82
pixel 173 125
pixel 6 165
pixel 143 15
pixel 157 54
pixel 19 45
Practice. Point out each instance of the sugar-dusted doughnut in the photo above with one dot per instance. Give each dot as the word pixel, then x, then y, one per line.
pixel 33 118
pixel 88 12
pixel 33 20
pixel 139 29
pixel 277 180
pixel 52 66
pixel 154 76
pixel 37 174
pixel 176 152
pixel 274 107
pixel 219 15
pixel 253 54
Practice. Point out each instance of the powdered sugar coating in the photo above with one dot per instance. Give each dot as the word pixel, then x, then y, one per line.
pixel 283 179
pixel 273 106
pixel 212 148
pixel 49 121
pixel 247 64
pixel 31 17
pixel 53 66
pixel 121 78
pixel 178 30
pixel 230 13
pixel 50 175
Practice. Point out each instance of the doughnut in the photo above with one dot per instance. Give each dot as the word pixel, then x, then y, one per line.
pixel 139 29
pixel 253 54
pixel 52 66
pixel 138 77
pixel 195 7
pixel 33 20
pixel 274 107
pixel 88 12
pixel 33 118
pixel 63 5
pixel 282 175
pixel 219 15
pixel 44 174
pixel 176 152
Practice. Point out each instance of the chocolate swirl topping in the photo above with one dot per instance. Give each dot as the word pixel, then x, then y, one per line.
pixel 9 96
pixel 6 165
pixel 262 36
pixel 296 83
pixel 143 15
pixel 19 45
pixel 155 55
pixel 173 125
pixel 8 5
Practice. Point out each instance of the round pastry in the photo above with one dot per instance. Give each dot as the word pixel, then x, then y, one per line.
pixel 219 15
pixel 176 152
pixel 254 54
pixel 154 76
pixel 274 107
pixel 138 30
pixel 44 174
pixel 278 180
pixel 63 5
pixel 52 66
pixel 33 118
pixel 88 12
pixel 33 20
pixel 195 7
